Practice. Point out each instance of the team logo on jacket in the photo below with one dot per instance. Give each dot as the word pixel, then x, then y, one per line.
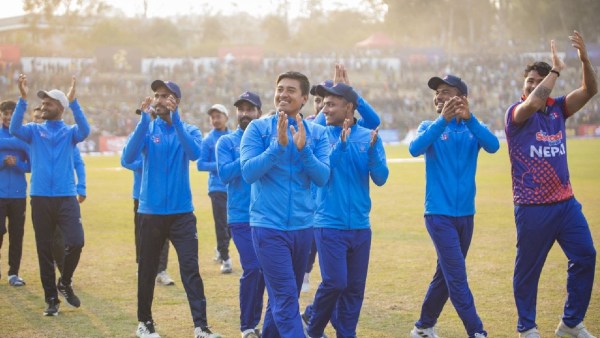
pixel 444 136
pixel 554 115
pixel 155 138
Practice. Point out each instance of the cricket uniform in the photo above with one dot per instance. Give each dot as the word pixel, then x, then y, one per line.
pixel 546 211
pixel 217 191
pixel 252 284
pixel 282 211
pixel 165 207
pixel 53 191
pixel 343 230
pixel 451 151
pixel 13 195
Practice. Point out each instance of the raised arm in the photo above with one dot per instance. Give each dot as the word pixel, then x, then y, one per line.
pixel 16 127
pixel 487 140
pixel 536 100
pixel 378 169
pixel 189 136
pixel 427 133
pixel 589 84
pixel 136 142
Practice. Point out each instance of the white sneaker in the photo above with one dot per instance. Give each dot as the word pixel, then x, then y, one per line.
pixel 423 333
pixel 163 278
pixel 205 333
pixel 531 333
pixel 146 330
pixel 226 266
pixel 479 335
pixel 578 331
pixel 306 283
pixel 217 257
pixel 250 333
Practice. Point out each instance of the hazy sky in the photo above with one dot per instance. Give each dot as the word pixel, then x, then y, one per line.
pixel 174 7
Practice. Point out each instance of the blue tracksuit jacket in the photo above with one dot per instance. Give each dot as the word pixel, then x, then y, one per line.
pixel 230 172
pixel 451 151
pixel 12 179
pixel 344 202
pixel 281 176
pixel 137 167
pixel 166 151
pixel 52 146
pixel 208 161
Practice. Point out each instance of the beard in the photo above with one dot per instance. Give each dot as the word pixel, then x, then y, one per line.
pixel 244 122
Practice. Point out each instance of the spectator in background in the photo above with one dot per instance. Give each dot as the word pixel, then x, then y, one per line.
pixel 14 154
pixel 545 208
pixel 216 188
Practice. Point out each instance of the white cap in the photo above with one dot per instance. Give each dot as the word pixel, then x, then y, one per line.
pixel 220 108
pixel 57 95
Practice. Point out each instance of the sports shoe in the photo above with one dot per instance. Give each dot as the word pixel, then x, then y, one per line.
pixel 250 333
pixel 578 331
pixel 53 305
pixel 163 278
pixel 14 280
pixel 205 332
pixel 531 333
pixel 479 335
pixel 217 257
pixel 306 283
pixel 423 333
pixel 226 266
pixel 67 292
pixel 146 330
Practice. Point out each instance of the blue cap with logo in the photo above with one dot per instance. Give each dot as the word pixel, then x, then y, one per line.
pixel 326 83
pixel 171 86
pixel 450 80
pixel 341 90
pixel 249 97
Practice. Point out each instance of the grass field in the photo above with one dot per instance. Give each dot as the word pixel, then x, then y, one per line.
pixel 402 260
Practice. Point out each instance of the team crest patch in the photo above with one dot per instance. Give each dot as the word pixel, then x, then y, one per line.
pixel 444 136
pixel 156 139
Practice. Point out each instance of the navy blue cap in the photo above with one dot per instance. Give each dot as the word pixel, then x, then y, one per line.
pixel 340 89
pixel 172 86
pixel 326 83
pixel 250 97
pixel 450 80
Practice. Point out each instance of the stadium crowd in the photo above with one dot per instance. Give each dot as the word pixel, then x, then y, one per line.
pixel 393 86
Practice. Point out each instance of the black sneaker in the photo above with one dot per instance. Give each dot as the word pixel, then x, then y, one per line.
pixel 52 309
pixel 67 292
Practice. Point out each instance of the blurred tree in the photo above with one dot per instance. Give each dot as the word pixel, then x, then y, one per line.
pixel 277 33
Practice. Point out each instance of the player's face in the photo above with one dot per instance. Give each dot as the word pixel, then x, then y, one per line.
pixel 532 80
pixel 336 110
pixel 51 109
pixel 218 120
pixel 6 116
pixel 442 94
pixel 246 112
pixel 160 100
pixel 318 103
pixel 288 96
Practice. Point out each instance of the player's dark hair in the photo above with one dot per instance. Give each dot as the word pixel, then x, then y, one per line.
pixel 304 83
pixel 8 105
pixel 540 67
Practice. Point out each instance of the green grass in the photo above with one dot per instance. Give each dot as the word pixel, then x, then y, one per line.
pixel 402 260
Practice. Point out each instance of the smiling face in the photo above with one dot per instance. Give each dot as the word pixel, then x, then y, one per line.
pixel 336 110
pixel 218 120
pixel 51 109
pixel 288 96
pixel 443 93
pixel 161 95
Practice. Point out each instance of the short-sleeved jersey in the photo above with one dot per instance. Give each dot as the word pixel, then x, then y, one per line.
pixel 538 154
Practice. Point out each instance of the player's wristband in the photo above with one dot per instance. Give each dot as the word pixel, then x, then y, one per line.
pixel 555 72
